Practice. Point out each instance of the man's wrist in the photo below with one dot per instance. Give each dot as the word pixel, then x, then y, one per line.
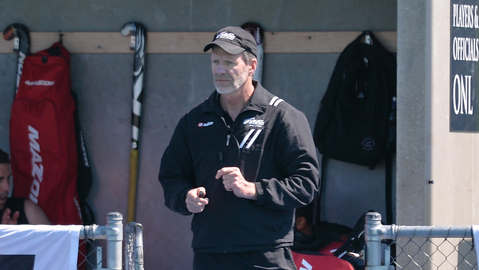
pixel 252 194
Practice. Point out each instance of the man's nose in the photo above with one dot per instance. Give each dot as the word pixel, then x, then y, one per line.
pixel 220 69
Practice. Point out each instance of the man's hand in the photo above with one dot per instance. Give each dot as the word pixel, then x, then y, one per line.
pixel 10 221
pixel 195 200
pixel 233 180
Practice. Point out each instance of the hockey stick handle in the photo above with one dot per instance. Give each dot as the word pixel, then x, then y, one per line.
pixel 258 34
pixel 258 74
pixel 132 185
pixel 21 37
pixel 21 44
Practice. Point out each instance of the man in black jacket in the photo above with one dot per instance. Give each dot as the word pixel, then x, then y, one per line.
pixel 241 161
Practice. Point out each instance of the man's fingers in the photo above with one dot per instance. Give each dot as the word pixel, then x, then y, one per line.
pixel 6 216
pixel 219 173
pixel 227 170
pixel 195 201
pixel 15 217
pixel 201 192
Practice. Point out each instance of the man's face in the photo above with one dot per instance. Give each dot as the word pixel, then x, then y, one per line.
pixel 230 72
pixel 4 183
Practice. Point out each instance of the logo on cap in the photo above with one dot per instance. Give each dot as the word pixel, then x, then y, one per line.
pixel 226 35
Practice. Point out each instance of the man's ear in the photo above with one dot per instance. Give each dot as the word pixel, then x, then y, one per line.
pixel 253 65
pixel 301 223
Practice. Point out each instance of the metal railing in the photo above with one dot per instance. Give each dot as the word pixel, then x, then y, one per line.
pixel 390 247
pixel 112 233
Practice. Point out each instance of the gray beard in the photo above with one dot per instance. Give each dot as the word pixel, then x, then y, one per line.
pixel 224 90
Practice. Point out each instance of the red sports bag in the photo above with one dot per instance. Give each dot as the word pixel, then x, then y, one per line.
pixel 316 261
pixel 42 136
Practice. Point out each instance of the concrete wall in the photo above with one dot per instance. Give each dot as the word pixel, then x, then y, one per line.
pixel 428 150
pixel 176 82
pixel 412 113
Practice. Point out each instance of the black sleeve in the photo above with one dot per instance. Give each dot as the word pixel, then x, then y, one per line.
pixel 176 170
pixel 298 160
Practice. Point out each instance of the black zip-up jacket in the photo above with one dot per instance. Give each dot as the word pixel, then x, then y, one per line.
pixel 271 142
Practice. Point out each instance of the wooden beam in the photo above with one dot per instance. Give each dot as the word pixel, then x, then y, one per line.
pixel 193 42
pixel 319 42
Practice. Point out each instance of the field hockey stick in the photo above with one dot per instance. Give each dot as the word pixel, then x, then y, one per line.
pixel 137 43
pixel 21 44
pixel 258 34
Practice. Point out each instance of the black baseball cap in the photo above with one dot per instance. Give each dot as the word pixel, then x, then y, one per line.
pixel 233 40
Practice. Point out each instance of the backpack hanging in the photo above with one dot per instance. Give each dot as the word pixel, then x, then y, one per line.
pixel 353 121
pixel 356 121
pixel 43 137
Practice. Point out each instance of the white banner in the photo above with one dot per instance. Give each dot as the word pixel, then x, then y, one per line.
pixel 38 247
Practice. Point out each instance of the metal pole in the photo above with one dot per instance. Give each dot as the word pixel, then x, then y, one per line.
pixel 139 262
pixel 114 240
pixel 134 246
pixel 372 237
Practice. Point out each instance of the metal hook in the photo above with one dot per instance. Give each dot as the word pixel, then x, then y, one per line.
pixel 61 37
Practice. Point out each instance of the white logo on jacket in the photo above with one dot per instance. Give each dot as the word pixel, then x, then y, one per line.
pixel 207 124
pixel 256 126
pixel 253 122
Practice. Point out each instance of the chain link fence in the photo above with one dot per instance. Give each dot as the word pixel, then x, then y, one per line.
pixel 391 247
